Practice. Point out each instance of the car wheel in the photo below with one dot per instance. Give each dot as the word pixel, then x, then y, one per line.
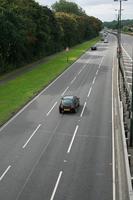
pixel 75 110
pixel 60 111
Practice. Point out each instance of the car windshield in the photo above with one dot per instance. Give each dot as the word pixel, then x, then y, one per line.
pixel 67 102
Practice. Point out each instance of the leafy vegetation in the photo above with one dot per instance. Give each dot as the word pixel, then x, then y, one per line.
pixel 29 31
pixel 126 25
pixel 67 7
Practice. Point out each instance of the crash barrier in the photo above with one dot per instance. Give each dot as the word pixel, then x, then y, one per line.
pixel 124 99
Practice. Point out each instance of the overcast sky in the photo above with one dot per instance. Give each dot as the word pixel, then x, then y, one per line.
pixel 105 10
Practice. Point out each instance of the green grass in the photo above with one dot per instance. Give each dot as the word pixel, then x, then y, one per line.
pixel 15 93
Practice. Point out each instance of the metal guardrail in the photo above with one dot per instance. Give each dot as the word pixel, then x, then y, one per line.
pixel 124 99
pixel 124 109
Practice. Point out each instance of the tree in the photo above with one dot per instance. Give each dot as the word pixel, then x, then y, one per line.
pixel 28 31
pixel 67 7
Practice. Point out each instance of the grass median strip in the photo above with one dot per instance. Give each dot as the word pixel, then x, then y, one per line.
pixel 16 93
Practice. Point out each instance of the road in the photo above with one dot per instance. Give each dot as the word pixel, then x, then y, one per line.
pixel 49 156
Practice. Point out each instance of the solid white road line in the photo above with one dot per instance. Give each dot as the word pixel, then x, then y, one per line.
pixel 2 176
pixel 83 109
pixel 31 136
pixel 119 167
pixel 71 143
pixel 115 107
pixel 89 92
pixel 51 108
pixel 56 185
pixel 64 91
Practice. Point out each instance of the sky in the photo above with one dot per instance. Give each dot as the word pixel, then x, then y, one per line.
pixel 105 10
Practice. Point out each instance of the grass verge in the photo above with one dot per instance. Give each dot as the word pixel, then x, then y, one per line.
pixel 16 93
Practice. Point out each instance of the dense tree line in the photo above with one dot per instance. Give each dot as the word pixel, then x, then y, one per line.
pixel 29 31
pixel 114 24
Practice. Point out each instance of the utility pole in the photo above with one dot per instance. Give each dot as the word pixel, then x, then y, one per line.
pixel 119 49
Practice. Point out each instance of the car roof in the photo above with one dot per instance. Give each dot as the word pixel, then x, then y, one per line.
pixel 68 97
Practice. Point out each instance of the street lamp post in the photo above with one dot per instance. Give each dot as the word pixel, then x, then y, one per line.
pixel 119 51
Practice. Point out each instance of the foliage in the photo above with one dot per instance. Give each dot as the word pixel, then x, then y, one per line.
pixel 114 24
pixel 67 7
pixel 29 31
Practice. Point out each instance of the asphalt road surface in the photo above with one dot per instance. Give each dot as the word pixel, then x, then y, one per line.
pixel 45 155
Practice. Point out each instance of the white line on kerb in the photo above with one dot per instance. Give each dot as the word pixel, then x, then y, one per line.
pixel 83 109
pixel 31 136
pixel 2 176
pixel 71 143
pixel 56 185
pixel 51 108
pixel 64 91
pixel 89 92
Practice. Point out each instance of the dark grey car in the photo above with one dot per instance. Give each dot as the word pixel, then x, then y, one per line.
pixel 69 104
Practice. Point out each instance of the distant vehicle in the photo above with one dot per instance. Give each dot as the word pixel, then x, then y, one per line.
pixel 69 104
pixel 94 48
